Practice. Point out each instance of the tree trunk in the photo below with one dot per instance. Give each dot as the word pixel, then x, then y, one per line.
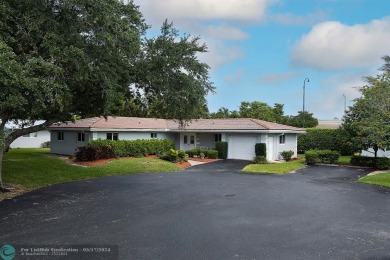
pixel 375 150
pixel 1 168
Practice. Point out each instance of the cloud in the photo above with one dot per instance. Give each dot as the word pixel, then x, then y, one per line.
pixel 220 54
pixel 205 10
pixel 224 32
pixel 277 77
pixel 333 45
pixel 235 77
pixel 291 19
pixel 329 99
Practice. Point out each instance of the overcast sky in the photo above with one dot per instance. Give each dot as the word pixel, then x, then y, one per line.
pixel 262 50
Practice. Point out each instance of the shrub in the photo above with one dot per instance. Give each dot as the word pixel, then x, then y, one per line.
pixel 260 159
pixel 222 148
pixel 324 156
pixel 261 149
pixel 381 163
pixel 136 147
pixel 311 157
pixel 46 144
pixel 212 154
pixel 94 152
pixel 202 155
pixel 326 139
pixel 364 161
pixel 182 156
pixel 287 155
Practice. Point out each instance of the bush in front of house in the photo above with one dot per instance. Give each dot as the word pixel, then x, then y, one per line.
pixel 381 163
pixel 323 156
pixel 260 160
pixel 261 149
pixel 222 148
pixel 212 154
pixel 94 152
pixel 287 155
pixel 138 147
pixel 175 156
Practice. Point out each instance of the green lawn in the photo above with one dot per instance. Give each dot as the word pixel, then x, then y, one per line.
pixel 275 168
pixel 382 179
pixel 31 168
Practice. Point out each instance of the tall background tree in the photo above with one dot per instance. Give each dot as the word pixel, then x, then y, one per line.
pixel 368 121
pixel 263 111
pixel 61 59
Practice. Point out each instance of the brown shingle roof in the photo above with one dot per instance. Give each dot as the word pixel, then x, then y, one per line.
pixel 196 124
pixel 231 124
pixel 116 123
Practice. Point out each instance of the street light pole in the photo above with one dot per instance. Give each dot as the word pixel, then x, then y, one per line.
pixel 303 110
pixel 345 102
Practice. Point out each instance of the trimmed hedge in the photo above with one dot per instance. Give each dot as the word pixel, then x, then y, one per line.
pixel 380 163
pixel 326 139
pixel 212 154
pixel 261 149
pixel 260 159
pixel 138 147
pixel 222 148
pixel 323 156
pixel 94 152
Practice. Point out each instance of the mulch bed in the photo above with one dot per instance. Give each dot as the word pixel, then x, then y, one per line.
pixel 104 161
pixel 202 160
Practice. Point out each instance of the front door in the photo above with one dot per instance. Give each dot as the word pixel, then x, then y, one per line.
pixel 188 141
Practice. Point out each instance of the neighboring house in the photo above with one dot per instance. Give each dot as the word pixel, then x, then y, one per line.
pixel 380 153
pixel 334 124
pixel 32 140
pixel 241 134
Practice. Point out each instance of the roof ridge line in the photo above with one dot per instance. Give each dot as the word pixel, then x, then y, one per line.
pixel 258 123
pixel 100 118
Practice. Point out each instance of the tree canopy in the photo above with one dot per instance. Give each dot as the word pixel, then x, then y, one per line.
pixel 368 120
pixel 61 59
pixel 263 111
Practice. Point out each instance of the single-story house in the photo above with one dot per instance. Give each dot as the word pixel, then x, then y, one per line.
pixel 32 140
pixel 241 134
pixel 380 153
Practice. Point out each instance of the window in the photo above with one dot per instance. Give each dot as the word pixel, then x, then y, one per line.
pixel 217 138
pixel 192 139
pixel 112 136
pixel 153 135
pixel 282 139
pixel 185 139
pixel 60 136
pixel 80 137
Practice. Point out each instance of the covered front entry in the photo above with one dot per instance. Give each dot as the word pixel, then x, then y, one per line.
pixel 241 146
pixel 187 141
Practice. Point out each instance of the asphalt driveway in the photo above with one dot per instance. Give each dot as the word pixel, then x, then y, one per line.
pixel 210 211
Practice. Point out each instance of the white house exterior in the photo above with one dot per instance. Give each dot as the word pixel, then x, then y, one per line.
pixel 380 153
pixel 32 140
pixel 241 134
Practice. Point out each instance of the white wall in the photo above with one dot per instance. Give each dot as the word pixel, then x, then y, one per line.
pixel 31 142
pixel 380 153
pixel 277 148
pixel 67 146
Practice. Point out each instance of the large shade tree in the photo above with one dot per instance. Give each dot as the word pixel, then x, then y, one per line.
pixel 61 59
pixel 368 120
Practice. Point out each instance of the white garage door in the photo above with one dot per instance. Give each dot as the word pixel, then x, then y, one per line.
pixel 241 147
